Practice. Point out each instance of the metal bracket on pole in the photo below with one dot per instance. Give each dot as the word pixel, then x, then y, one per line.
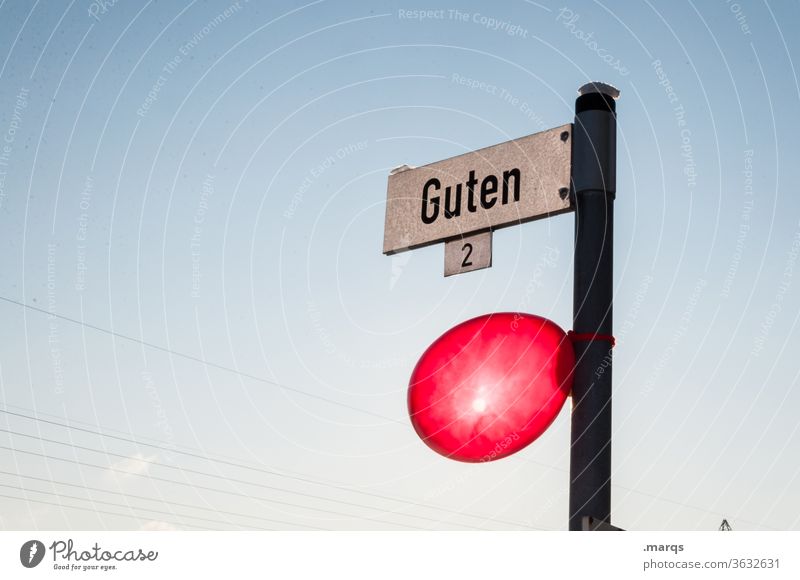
pixel 589 524
pixel 593 187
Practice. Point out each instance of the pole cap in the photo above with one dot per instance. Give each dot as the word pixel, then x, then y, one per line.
pixel 597 96
pixel 598 87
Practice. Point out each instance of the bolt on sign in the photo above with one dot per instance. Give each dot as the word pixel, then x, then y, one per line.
pixel 461 200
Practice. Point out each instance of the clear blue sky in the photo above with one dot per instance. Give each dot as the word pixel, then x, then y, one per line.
pixel 197 193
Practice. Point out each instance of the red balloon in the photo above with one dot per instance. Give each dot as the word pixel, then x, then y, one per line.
pixel 491 385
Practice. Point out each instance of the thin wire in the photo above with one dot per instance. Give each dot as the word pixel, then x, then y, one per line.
pixel 214 475
pixel 199 360
pixel 130 507
pixel 650 495
pixel 271 472
pixel 74 507
pixel 88 488
pixel 144 497
pixel 214 489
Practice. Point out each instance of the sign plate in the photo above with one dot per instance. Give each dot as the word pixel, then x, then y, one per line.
pixel 502 185
pixel 473 252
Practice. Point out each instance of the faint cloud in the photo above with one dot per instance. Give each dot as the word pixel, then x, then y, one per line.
pixel 138 464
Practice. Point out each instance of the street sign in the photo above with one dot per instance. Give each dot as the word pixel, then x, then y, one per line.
pixel 506 184
pixel 461 201
pixel 472 252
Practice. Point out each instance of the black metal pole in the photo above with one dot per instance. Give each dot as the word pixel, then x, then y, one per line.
pixel 594 187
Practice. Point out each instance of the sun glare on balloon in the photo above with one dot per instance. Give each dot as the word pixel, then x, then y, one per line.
pixel 479 405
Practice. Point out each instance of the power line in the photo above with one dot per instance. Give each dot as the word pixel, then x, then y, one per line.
pixel 258 379
pixel 272 472
pixel 198 360
pixel 114 504
pixel 144 497
pixel 94 511
pixel 214 489
pixel 206 474
pixel 650 495
pixel 685 505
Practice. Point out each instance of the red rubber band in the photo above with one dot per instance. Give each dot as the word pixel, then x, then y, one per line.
pixel 591 336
